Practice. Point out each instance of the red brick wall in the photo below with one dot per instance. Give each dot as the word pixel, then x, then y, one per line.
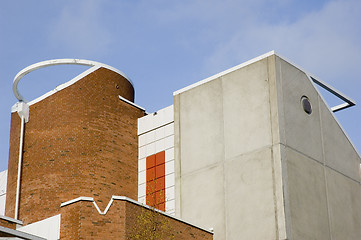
pixel 80 141
pixel 13 165
pixel 142 223
pixel 124 220
pixel 7 224
pixel 81 220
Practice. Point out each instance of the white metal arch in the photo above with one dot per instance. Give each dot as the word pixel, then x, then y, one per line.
pixel 54 62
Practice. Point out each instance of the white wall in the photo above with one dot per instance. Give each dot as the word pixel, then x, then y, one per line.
pixel 3 182
pixel 156 134
pixel 48 228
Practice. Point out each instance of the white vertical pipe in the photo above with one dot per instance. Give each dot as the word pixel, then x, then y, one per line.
pixel 19 167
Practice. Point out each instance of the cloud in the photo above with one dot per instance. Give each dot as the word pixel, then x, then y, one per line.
pixel 79 29
pixel 326 41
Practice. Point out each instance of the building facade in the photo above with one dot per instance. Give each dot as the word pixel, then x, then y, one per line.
pixel 253 152
pixel 78 162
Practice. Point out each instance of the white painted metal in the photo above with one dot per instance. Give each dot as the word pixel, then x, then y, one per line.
pixel 256 59
pixel 3 183
pixel 54 62
pixel 123 198
pixel 131 103
pixel 16 233
pixel 19 167
pixel 327 87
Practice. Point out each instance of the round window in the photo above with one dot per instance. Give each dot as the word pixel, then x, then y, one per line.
pixel 306 105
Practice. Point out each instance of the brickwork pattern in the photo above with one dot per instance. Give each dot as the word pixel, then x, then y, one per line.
pixel 123 221
pixel 80 141
pixel 169 228
pixel 7 224
pixel 12 165
pixel 81 220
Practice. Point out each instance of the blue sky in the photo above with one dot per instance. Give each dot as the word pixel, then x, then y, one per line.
pixel 166 45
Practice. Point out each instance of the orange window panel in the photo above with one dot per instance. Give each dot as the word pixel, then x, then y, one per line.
pixel 160 171
pixel 150 174
pixel 160 158
pixel 160 184
pixel 161 206
pixel 156 199
pixel 160 200
pixel 155 186
pixel 150 200
pixel 150 161
pixel 150 187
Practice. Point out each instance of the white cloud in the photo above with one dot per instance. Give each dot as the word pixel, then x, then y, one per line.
pixel 326 40
pixel 79 29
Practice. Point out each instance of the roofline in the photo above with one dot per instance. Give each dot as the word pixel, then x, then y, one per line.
pixel 123 198
pixel 12 220
pixel 20 234
pixel 256 59
pixel 311 77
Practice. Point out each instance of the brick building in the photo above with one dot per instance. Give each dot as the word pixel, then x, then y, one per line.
pixel 253 152
pixel 79 162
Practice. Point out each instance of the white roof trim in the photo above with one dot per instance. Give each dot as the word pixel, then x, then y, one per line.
pixel 90 199
pixel 123 198
pixel 131 103
pixel 314 80
pixel 20 234
pixel 348 100
pixel 64 61
pixel 224 72
pixel 11 219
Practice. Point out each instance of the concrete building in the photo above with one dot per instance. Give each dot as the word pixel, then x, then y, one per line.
pixel 253 152
pixel 258 154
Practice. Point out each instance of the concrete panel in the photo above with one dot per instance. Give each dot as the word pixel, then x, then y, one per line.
pixel 246 109
pixel 48 228
pixel 300 130
pixel 201 126
pixel 275 100
pixel 307 197
pixel 177 155
pixel 280 190
pixel 344 197
pixel 250 205
pixel 202 199
pixel 339 152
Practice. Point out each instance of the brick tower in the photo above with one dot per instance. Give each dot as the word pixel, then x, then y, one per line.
pixel 80 140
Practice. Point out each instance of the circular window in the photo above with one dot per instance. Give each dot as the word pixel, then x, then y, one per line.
pixel 306 105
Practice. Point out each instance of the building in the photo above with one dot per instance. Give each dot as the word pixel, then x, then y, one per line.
pixel 253 152
pixel 76 175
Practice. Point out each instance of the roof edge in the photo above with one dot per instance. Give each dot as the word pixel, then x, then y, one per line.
pixel 127 199
pixel 256 59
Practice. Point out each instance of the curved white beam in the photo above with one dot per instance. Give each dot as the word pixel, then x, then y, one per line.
pixel 53 62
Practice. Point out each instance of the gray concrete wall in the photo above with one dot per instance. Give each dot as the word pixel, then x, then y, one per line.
pixel 252 164
pixel 228 172
pixel 320 165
